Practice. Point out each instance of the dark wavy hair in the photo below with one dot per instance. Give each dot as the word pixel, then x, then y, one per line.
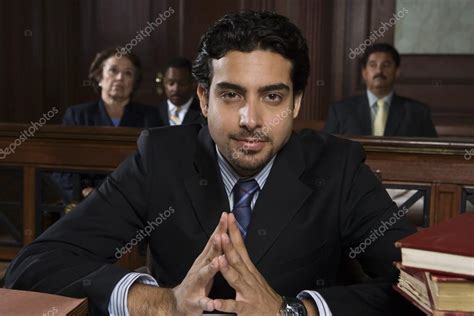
pixel 248 31
pixel 381 48
pixel 95 70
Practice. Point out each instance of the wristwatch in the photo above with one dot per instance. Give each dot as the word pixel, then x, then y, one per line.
pixel 292 306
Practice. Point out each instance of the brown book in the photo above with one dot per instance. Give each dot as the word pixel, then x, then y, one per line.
pixel 414 284
pixel 447 247
pixel 15 302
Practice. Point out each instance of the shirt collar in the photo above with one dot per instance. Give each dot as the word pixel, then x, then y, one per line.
pixel 230 177
pixel 172 107
pixel 373 98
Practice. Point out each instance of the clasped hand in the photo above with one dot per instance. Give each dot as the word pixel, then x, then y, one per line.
pixel 225 252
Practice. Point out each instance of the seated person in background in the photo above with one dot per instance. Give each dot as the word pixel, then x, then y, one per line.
pixel 115 78
pixel 300 202
pixel 181 105
pixel 380 112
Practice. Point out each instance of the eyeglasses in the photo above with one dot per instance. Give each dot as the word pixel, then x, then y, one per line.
pixel 114 71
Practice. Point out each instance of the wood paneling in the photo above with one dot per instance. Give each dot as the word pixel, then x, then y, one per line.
pixel 444 82
pixel 48 45
pixel 445 201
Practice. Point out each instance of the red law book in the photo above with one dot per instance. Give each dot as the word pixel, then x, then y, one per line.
pixel 447 247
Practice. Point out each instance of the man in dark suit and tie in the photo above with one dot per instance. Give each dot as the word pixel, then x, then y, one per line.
pixel 380 112
pixel 181 105
pixel 300 202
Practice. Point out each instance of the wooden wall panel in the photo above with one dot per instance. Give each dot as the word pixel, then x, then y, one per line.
pixel 444 82
pixel 48 66
pixel 445 202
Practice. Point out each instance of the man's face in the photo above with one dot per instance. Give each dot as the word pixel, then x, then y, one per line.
pixel 250 107
pixel 179 85
pixel 380 73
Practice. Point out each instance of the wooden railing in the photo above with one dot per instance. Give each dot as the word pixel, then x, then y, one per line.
pixel 439 164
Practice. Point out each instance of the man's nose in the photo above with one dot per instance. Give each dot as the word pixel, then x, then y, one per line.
pixel 379 68
pixel 250 115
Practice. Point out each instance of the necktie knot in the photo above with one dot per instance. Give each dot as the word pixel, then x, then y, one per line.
pixel 380 104
pixel 174 116
pixel 244 191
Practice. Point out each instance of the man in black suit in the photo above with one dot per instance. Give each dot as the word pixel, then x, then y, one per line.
pixel 301 202
pixel 181 106
pixel 380 112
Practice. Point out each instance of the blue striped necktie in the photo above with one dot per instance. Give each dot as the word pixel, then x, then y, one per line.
pixel 243 194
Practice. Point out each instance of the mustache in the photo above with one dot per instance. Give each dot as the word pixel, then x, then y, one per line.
pixel 257 135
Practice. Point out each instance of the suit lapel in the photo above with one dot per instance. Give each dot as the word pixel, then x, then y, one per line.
pixel 205 187
pixel 281 198
pixel 163 108
pixel 103 118
pixel 363 115
pixel 194 112
pixel 395 116
pixel 130 117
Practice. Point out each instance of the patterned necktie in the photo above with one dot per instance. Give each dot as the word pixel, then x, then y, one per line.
pixel 174 116
pixel 380 119
pixel 243 194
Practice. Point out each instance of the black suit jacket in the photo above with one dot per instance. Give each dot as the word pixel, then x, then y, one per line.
pixel 320 199
pixel 95 114
pixel 193 115
pixel 406 117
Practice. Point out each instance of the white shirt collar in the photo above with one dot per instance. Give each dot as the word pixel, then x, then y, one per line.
pixel 230 177
pixel 373 98
pixel 184 108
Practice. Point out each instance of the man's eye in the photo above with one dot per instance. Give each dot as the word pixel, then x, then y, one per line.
pixel 273 97
pixel 229 96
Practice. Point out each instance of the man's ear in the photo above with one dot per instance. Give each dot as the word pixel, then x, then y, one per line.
pixel 203 99
pixel 297 104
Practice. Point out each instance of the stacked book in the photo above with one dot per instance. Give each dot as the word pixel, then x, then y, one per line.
pixel 437 268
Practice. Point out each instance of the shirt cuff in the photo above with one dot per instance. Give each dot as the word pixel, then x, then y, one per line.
pixel 323 308
pixel 118 304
